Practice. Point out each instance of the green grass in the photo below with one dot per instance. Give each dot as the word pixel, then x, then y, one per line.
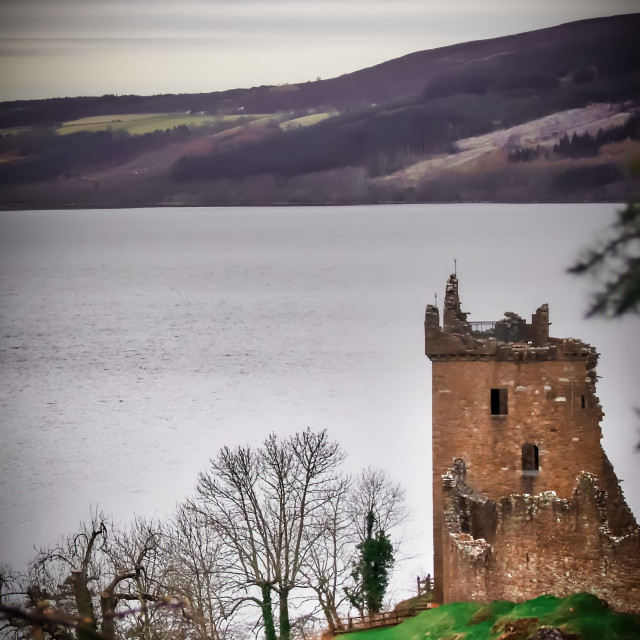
pixel 304 121
pixel 139 123
pixel 11 130
pixel 581 614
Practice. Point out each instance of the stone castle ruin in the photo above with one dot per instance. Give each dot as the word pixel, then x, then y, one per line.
pixel 525 500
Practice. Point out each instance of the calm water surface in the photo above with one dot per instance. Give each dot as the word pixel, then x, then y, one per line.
pixel 135 343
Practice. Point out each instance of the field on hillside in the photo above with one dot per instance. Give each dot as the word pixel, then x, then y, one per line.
pixel 583 615
pixel 11 130
pixel 304 121
pixel 489 151
pixel 139 123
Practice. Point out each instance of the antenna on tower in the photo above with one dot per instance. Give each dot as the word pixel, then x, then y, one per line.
pixel 436 296
pixel 455 266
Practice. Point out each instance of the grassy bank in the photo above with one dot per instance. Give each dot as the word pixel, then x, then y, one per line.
pixel 579 617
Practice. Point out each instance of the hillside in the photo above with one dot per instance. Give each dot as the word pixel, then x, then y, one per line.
pixel 536 55
pixel 476 121
pixel 578 617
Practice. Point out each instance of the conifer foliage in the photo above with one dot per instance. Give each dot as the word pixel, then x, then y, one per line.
pixel 371 570
pixel 617 264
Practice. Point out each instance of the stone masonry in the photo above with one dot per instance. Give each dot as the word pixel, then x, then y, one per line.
pixel 525 500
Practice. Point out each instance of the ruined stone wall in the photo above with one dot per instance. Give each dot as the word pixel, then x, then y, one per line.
pixel 550 403
pixel 542 544
pixel 619 515
pixel 545 408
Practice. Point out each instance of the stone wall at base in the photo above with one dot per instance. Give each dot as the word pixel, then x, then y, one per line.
pixel 540 544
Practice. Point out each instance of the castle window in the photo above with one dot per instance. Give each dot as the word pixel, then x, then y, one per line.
pixel 583 402
pixel 530 460
pixel 498 402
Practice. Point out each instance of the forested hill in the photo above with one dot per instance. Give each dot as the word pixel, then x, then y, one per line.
pixel 527 61
pixel 549 115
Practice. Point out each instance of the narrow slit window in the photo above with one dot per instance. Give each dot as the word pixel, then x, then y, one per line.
pixel 498 402
pixel 530 460
pixel 583 402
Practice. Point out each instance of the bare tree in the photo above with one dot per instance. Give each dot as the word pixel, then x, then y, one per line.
pixel 65 576
pixel 375 492
pixel 268 505
pixel 330 565
pixel 230 501
pixel 266 521
pixel 137 572
pixel 195 564
pixel 83 587
pixel 329 560
pixel 12 592
pixel 44 617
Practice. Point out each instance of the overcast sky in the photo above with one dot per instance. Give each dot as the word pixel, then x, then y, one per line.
pixel 53 48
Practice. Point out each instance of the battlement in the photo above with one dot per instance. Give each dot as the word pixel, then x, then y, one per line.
pixel 511 338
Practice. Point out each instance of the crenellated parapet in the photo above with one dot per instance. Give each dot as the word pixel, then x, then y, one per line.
pixel 510 338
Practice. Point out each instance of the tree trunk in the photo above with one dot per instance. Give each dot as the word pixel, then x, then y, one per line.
pixel 328 614
pixel 285 623
pixel 335 622
pixel 145 611
pixel 267 613
pixel 87 630
pixel 108 606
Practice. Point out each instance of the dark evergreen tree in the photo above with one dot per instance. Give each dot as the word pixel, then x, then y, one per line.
pixel 371 571
pixel 617 261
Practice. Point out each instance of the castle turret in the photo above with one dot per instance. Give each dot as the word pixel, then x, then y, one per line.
pixel 525 501
pixel 455 321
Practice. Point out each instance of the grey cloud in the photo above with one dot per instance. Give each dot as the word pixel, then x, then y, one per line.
pixel 261 27
pixel 143 18
pixel 34 47
pixel 299 38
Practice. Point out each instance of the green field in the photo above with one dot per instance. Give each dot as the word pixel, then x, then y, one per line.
pixel 11 130
pixel 581 614
pixel 139 123
pixel 304 121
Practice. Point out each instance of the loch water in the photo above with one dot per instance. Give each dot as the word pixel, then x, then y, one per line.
pixel 135 343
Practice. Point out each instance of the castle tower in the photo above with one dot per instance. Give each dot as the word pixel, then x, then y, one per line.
pixel 525 501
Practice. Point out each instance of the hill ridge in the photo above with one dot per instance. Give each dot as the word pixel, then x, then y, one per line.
pixel 399 131
pixel 29 112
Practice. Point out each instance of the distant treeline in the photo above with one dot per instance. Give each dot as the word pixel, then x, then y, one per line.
pixel 379 142
pixel 526 154
pixel 586 145
pixel 42 154
pixel 53 111
pixel 581 145
pixel 588 177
